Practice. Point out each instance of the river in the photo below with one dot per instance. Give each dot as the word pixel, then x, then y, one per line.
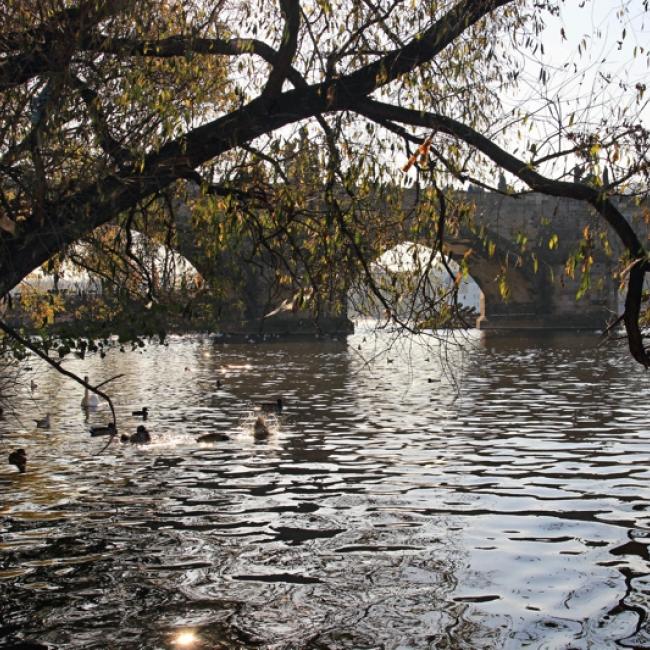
pixel 395 504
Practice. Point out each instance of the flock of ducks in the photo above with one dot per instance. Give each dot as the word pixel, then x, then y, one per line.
pixel 90 401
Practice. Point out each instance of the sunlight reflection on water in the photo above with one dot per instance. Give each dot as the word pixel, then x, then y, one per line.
pixel 388 507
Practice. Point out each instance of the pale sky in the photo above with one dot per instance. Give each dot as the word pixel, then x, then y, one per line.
pixel 595 33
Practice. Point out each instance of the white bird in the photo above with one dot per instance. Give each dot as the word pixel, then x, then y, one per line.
pixel 89 400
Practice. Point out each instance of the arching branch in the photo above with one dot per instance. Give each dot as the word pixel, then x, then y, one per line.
pixel 540 183
pixel 100 202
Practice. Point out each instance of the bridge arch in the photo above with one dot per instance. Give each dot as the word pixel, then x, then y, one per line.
pixel 509 287
pixel 490 276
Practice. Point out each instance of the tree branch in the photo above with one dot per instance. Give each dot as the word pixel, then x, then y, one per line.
pixel 282 65
pixel 110 146
pixel 551 187
pixel 113 194
pixel 50 46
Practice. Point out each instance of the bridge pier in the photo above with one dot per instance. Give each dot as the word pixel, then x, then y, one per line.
pixel 543 295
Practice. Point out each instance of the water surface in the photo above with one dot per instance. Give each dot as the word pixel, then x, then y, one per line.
pixel 393 506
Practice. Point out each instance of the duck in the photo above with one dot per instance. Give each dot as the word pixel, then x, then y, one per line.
pixel 43 423
pixel 142 413
pixel 33 385
pixel 141 436
pixel 213 437
pixel 107 430
pixel 19 459
pixel 271 407
pixel 260 428
pixel 89 400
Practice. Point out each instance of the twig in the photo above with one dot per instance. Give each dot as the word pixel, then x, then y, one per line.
pixel 612 325
pixel 106 381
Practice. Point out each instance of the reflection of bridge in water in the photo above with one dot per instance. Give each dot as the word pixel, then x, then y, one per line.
pixel 541 294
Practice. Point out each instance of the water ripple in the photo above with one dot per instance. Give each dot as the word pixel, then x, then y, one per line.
pixel 387 509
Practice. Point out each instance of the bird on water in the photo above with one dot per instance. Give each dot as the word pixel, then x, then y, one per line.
pixel 260 428
pixel 103 430
pixel 19 459
pixel 89 400
pixel 213 437
pixel 140 437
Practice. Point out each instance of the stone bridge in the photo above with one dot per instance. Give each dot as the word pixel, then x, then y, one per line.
pixel 541 295
pixel 527 241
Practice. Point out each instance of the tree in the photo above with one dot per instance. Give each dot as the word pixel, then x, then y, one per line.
pixel 110 105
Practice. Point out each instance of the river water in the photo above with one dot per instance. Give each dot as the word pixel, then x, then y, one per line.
pixel 394 505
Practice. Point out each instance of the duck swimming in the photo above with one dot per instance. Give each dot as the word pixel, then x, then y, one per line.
pixel 89 400
pixel 142 413
pixel 260 428
pixel 108 430
pixel 213 437
pixel 19 459
pixel 140 437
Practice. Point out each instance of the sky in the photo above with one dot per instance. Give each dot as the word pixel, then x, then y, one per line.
pixel 601 30
pixel 595 53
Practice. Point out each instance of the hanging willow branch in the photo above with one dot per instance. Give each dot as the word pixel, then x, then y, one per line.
pixel 10 331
